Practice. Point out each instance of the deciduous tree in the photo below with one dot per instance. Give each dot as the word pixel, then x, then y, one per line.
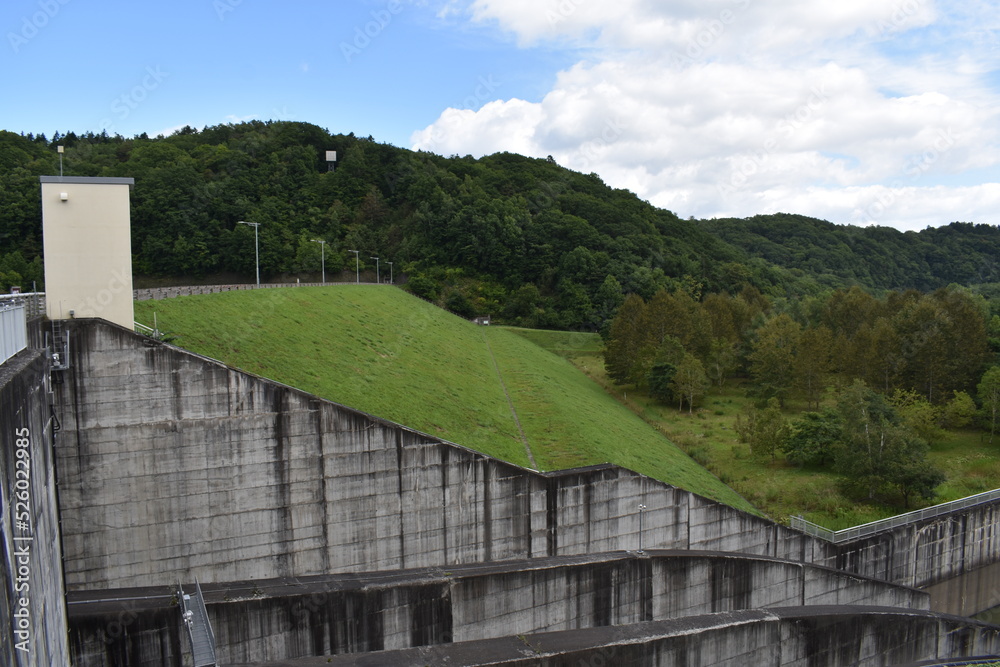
pixel 765 430
pixel 989 395
pixel 812 363
pixel 772 361
pixel 627 349
pixel 878 453
pixel 959 412
pixel 690 382
pixel 813 438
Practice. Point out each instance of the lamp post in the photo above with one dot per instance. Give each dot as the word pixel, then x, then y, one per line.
pixel 390 272
pixel 256 246
pixel 357 267
pixel 641 509
pixel 378 277
pixel 322 250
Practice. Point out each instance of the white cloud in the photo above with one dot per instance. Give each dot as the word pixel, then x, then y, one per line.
pixel 715 108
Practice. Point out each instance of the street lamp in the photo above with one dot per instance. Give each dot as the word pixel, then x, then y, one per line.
pixel 390 272
pixel 256 245
pixel 322 249
pixel 378 278
pixel 357 267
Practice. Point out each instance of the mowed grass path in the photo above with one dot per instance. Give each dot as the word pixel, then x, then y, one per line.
pixel 379 350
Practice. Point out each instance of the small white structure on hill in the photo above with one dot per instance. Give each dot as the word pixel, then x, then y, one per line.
pixel 86 225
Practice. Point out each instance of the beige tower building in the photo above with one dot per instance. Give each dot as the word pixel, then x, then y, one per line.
pixel 86 225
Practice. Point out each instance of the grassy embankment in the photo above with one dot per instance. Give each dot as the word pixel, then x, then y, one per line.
pixel 970 463
pixel 381 351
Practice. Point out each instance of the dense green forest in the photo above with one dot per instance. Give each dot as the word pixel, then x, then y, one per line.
pixel 522 239
pixel 879 377
pixel 879 258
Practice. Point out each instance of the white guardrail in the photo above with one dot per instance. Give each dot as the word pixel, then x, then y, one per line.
pixel 866 529
pixel 13 330
pixel 15 311
pixel 33 302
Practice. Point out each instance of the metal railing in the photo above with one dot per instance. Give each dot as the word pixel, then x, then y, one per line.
pixel 199 627
pixel 33 302
pixel 158 293
pixel 13 330
pixel 867 529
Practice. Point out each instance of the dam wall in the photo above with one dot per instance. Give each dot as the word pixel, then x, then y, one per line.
pixel 174 466
pixel 781 637
pixel 33 626
pixel 314 616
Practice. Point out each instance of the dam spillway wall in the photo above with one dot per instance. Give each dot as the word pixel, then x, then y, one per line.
pixel 175 466
pixel 33 626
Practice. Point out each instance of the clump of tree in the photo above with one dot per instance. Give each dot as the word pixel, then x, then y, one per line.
pixel 814 438
pixel 678 346
pixel 865 439
pixel 765 429
pixel 879 453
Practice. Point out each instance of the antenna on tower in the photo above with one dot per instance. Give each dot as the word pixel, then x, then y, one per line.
pixel 60 150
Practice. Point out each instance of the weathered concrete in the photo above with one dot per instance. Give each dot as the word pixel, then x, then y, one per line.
pixel 793 637
pixel 176 466
pixel 33 626
pixel 967 594
pixel 268 620
pixel 930 551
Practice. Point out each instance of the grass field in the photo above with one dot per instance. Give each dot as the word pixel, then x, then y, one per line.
pixel 382 351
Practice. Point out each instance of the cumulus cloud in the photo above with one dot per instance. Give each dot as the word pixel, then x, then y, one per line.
pixel 719 108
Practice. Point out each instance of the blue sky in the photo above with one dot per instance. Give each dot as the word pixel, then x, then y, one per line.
pixel 861 111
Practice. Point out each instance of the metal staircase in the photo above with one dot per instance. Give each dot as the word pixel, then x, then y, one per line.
pixel 195 618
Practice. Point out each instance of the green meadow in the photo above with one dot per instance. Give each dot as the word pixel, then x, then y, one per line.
pixel 500 391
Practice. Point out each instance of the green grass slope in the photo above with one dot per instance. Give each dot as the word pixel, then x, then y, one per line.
pixel 379 350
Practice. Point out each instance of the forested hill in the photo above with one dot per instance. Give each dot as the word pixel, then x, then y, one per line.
pixel 873 257
pixel 523 239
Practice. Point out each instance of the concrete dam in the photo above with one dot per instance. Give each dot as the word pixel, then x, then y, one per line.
pixel 317 534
